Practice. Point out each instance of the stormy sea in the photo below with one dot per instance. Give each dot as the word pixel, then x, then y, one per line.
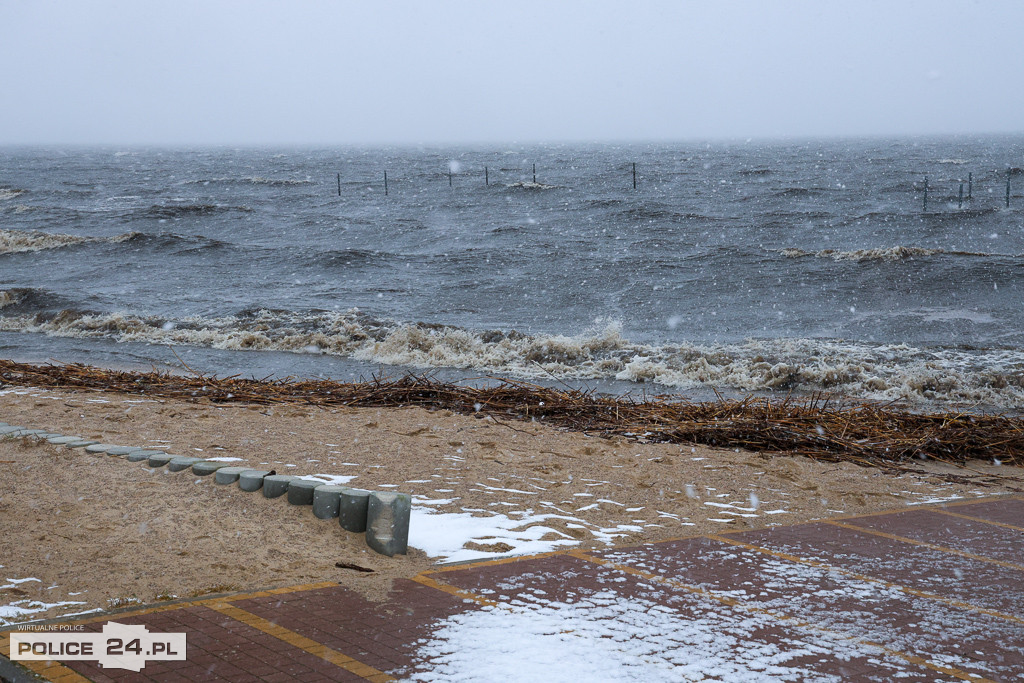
pixel 734 268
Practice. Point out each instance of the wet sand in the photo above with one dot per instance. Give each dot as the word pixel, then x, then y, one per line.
pixel 99 531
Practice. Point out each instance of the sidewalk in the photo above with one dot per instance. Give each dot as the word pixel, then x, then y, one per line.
pixel 921 594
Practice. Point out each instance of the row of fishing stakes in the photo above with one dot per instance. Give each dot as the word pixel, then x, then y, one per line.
pixel 486 181
pixel 960 196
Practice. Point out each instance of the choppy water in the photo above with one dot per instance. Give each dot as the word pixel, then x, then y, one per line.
pixel 732 267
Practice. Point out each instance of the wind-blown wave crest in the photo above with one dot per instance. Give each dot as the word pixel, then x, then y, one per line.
pixel 13 241
pixel 171 211
pixel 249 180
pixel 856 369
pixel 528 185
pixel 898 253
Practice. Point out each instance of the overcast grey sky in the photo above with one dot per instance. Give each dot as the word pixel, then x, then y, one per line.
pixel 400 71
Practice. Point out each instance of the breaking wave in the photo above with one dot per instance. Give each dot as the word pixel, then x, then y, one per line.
pixel 881 254
pixel 800 192
pixel 10 193
pixel 14 241
pixel 249 180
pixel 188 210
pixel 527 185
pixel 32 300
pixel 855 369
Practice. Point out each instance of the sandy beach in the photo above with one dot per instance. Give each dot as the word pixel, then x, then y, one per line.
pixel 84 531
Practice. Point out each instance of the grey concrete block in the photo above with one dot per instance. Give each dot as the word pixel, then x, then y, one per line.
pixel 228 475
pixel 326 499
pixel 81 444
pixel 139 456
pixel 122 450
pixel 387 522
pixel 10 429
pixel 160 460
pixel 252 480
pixel 61 440
pixel 99 447
pixel 22 431
pixel 205 467
pixel 182 462
pixel 300 491
pixel 352 507
pixel 276 485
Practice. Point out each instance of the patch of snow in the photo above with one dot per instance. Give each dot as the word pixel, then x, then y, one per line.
pixel 443 535
pixel 23 608
pixel 334 479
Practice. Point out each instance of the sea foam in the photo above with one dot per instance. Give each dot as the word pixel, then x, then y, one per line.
pixel 14 241
pixel 856 369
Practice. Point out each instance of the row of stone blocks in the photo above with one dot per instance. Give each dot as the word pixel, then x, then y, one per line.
pixel 383 516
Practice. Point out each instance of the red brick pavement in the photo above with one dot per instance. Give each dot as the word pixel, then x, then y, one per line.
pixel 931 593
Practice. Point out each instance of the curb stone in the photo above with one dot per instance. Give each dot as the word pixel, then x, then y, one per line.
pixel 181 463
pixel 352 508
pixel 228 475
pixel 387 522
pixel 300 491
pixel 326 500
pixel 252 480
pixel 160 460
pixel 139 456
pixel 122 450
pixel 61 440
pixel 205 467
pixel 383 516
pixel 276 485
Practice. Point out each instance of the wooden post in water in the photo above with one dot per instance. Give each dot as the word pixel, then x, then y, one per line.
pixel 970 186
pixel 385 183
pixel 449 178
pixel 535 174
pixel 960 199
pixel 1007 188
pixel 926 194
pixel 634 175
pixel 339 184
pixel 487 179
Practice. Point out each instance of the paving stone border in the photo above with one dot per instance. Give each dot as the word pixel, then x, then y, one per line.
pixel 382 516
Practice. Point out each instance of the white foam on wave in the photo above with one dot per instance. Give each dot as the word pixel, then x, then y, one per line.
pixel 898 253
pixel 10 193
pixel 14 241
pixel 254 180
pixel 527 185
pixel 857 369
pixel 881 254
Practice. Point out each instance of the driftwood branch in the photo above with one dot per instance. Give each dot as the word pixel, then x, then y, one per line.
pixel 817 427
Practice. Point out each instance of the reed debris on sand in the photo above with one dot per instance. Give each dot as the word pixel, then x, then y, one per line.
pixel 817 427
